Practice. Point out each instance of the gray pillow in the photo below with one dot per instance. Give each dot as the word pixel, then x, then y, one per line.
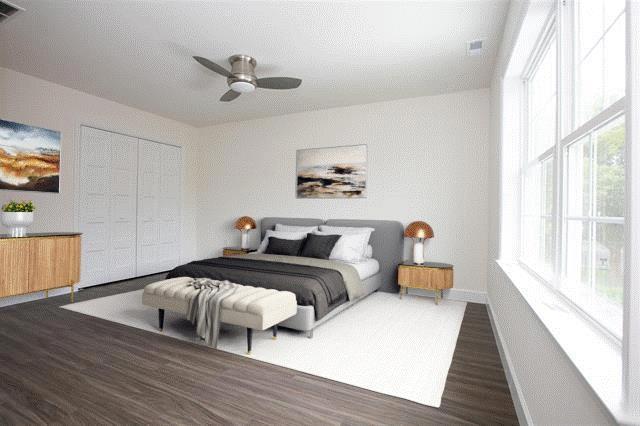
pixel 319 246
pixel 282 246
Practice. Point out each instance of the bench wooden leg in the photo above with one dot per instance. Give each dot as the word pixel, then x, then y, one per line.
pixel 275 331
pixel 249 336
pixel 161 319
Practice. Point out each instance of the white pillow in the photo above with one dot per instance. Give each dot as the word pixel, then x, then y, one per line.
pixel 369 253
pixel 279 234
pixel 348 248
pixel 347 230
pixel 292 228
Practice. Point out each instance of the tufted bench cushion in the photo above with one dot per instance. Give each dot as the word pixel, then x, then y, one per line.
pixel 251 307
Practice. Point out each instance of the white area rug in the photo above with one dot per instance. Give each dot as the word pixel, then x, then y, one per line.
pixel 396 347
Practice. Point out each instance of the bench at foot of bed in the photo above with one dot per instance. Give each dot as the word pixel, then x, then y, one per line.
pixel 254 308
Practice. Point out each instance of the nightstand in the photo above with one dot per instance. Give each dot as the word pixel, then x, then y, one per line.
pixel 428 276
pixel 234 251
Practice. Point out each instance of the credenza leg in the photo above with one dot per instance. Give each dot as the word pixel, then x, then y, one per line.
pixel 46 293
pixel 71 294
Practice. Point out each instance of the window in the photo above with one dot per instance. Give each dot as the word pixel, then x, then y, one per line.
pixel 594 222
pixel 573 182
pixel 538 248
pixel 599 54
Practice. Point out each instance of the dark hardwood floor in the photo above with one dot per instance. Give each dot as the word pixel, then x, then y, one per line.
pixel 58 366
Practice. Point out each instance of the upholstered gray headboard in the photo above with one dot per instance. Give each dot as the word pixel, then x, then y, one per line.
pixel 387 241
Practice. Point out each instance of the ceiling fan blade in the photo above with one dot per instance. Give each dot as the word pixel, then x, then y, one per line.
pixel 213 66
pixel 229 96
pixel 278 83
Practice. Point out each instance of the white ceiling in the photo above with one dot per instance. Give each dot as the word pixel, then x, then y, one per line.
pixel 139 52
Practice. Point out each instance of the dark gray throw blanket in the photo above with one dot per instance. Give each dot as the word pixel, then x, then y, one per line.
pixel 204 308
pixel 322 288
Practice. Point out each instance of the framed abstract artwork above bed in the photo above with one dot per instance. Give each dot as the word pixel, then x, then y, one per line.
pixel 29 158
pixel 335 172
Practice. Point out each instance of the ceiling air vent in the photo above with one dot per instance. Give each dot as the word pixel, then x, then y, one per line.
pixel 7 10
pixel 475 47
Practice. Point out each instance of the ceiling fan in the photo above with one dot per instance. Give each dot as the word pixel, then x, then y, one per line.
pixel 242 77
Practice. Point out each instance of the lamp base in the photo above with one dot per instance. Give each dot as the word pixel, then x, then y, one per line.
pixel 245 240
pixel 418 252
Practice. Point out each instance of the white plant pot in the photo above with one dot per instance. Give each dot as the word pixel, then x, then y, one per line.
pixel 17 222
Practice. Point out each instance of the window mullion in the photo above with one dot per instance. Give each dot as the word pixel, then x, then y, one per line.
pixel 558 205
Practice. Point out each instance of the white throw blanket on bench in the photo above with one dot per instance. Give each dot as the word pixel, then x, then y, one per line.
pixel 204 307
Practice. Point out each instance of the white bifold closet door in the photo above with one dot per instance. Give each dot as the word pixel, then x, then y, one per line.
pixel 108 211
pixel 158 207
pixel 129 206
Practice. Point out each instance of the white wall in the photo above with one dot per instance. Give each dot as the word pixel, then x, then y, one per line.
pixel 29 100
pixel 546 387
pixel 427 160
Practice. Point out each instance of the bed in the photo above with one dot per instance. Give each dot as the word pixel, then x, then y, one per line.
pixel 322 290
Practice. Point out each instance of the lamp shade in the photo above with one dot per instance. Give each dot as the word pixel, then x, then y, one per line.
pixel 245 223
pixel 418 229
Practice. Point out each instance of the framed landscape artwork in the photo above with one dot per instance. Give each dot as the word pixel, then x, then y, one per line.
pixel 336 172
pixel 29 158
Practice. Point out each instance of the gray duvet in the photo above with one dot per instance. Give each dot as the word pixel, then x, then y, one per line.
pixel 323 284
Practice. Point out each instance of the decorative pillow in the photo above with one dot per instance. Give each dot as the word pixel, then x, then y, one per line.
pixel 286 247
pixel 319 246
pixel 349 230
pixel 369 253
pixel 279 234
pixel 348 248
pixel 293 228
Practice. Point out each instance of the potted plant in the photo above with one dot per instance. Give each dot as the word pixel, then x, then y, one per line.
pixel 17 216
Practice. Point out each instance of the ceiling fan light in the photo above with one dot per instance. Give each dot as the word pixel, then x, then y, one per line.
pixel 242 87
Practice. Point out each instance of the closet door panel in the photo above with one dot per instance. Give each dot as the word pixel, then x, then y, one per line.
pixel 95 166
pixel 159 204
pixel 149 155
pixel 124 187
pixel 170 200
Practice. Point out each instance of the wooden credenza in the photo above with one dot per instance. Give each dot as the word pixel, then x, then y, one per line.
pixel 39 262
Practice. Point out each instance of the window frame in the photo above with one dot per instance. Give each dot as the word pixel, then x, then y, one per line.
pixel 559 27
pixel 548 35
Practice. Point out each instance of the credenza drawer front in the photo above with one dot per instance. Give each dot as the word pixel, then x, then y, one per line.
pixel 53 262
pixel 14 267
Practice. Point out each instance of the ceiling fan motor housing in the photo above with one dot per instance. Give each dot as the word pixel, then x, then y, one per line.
pixel 243 70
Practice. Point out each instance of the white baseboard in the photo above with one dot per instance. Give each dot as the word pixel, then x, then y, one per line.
pixel 520 404
pixel 455 294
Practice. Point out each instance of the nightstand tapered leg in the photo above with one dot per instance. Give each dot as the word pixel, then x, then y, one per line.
pixel 401 290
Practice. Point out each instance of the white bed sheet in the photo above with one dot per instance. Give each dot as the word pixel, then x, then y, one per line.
pixel 366 268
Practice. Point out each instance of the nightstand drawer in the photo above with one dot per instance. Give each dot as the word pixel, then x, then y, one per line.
pixel 424 277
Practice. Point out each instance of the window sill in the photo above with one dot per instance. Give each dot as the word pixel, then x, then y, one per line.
pixel 595 356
